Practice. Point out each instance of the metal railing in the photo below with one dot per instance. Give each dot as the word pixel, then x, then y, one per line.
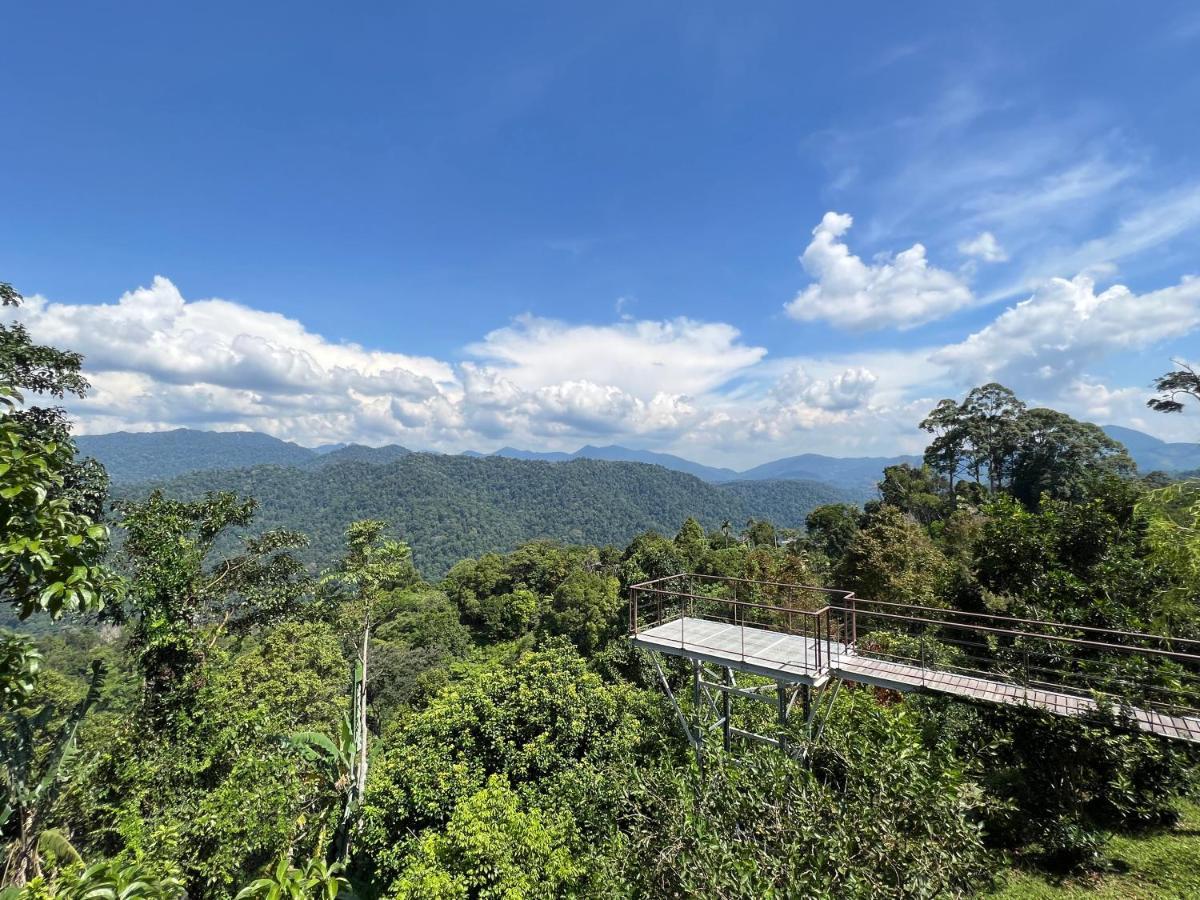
pixel 1156 674
pixel 755 608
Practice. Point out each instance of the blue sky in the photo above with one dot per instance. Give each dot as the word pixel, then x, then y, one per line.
pixel 473 225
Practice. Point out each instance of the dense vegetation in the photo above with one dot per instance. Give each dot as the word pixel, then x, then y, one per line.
pixel 450 507
pixel 164 454
pixel 227 721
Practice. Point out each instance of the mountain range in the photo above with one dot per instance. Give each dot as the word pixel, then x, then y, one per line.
pixel 142 456
pixel 449 507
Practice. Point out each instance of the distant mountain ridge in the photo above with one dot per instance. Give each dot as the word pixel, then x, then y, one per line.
pixel 449 507
pixel 614 453
pixel 1152 454
pixel 142 456
pixel 133 456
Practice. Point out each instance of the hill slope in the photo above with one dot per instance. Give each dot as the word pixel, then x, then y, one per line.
pixel 145 456
pixel 1152 454
pixel 451 507
pixel 139 456
pixel 858 473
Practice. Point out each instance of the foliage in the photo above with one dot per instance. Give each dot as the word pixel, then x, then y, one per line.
pixel 914 491
pixel 106 880
pixel 318 879
pixel 560 737
pixel 855 821
pixel 450 508
pixel 50 553
pixel 19 663
pixel 832 529
pixel 219 795
pixel 1182 382
pixel 1027 452
pixel 181 602
pixel 1055 783
pixel 892 558
pixel 36 758
pixel 492 848
pixel 1158 864
pixel 1172 540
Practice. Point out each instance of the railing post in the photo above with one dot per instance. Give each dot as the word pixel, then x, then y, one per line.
pixel 1025 671
pixel 922 660
pixel 853 621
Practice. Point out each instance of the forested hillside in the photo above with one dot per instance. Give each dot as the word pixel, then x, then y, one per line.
pixel 451 507
pixel 139 456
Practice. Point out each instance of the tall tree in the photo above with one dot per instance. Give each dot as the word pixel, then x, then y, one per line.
pixel 994 423
pixel 1174 387
pixel 51 546
pixel 182 602
pixel 366 581
pixel 1058 455
pixel 947 452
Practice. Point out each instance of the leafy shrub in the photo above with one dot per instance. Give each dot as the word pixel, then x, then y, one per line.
pixel 875 814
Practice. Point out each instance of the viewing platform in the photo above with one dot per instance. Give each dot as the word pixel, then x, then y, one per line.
pixel 803 638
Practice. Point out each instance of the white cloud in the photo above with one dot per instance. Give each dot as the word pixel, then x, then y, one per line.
pixel 901 291
pixel 849 389
pixel 1065 326
pixel 984 247
pixel 157 360
pixel 679 356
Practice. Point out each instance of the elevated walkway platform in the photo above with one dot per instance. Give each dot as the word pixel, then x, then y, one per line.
pixel 1063 669
pixel 794 660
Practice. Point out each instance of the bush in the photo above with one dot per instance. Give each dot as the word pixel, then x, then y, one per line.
pixel 875 814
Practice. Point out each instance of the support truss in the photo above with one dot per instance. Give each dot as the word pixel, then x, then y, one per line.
pixel 717 695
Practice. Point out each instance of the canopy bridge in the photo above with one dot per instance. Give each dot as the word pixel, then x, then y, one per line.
pixel 806 641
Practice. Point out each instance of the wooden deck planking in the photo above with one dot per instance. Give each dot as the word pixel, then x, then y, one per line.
pixel 794 658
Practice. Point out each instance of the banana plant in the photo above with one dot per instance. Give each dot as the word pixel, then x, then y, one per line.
pixel 31 784
pixel 318 879
pixel 111 880
pixel 336 762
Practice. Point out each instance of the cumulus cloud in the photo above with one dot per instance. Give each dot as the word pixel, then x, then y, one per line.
pixel 983 246
pixel 157 360
pixel 847 390
pixel 900 291
pixel 1054 335
pixel 679 356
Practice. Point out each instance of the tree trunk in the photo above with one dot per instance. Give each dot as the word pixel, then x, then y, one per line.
pixel 361 775
pixel 22 862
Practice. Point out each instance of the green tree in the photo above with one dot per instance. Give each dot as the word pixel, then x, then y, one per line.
pixel 832 528
pixel 36 757
pixel 916 491
pixel 892 558
pixel 51 555
pixel 492 848
pixel 26 367
pixel 586 608
pixel 691 542
pixel 1060 456
pixel 995 427
pixel 1174 387
pixel 366 582
pixel 318 880
pixel 182 603
pixel 947 452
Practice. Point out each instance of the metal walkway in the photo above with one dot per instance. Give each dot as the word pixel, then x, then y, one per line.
pixel 803 638
pixel 792 659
